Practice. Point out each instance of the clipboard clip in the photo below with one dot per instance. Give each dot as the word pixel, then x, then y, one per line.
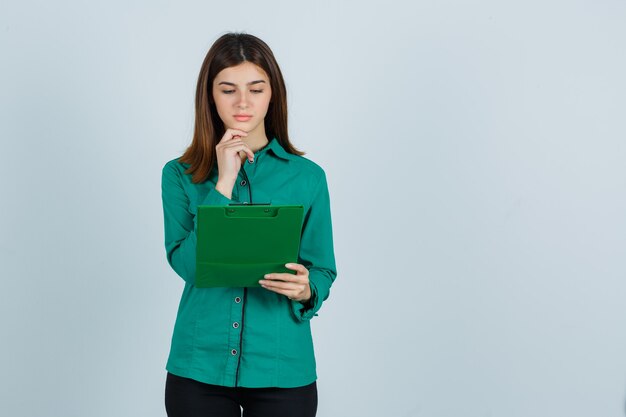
pixel 250 204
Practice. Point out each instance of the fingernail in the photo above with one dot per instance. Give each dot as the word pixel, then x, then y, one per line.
pixel 266 276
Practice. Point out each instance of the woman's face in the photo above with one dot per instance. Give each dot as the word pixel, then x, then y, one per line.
pixel 242 95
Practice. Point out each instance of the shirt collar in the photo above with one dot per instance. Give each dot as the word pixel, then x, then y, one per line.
pixel 278 150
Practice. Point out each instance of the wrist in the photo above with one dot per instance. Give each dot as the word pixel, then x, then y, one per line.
pixel 307 301
pixel 224 188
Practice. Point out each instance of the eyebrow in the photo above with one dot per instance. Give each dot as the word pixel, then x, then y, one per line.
pixel 250 83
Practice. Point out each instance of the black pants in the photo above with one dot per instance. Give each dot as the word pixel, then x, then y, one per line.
pixel 186 397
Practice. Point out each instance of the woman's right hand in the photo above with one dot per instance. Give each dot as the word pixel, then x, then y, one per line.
pixel 229 159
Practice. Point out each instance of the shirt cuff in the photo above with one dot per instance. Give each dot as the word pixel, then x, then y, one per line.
pixel 308 309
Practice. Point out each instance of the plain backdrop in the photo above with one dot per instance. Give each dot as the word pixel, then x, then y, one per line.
pixel 475 153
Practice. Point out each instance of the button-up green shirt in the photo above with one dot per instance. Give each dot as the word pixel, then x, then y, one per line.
pixel 248 337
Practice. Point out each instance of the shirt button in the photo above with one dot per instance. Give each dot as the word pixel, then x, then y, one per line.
pixel 235 325
pixel 237 300
pixel 233 352
pixel 243 182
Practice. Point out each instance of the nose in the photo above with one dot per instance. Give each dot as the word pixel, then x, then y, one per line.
pixel 243 101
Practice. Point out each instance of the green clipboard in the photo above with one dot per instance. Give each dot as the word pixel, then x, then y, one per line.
pixel 238 245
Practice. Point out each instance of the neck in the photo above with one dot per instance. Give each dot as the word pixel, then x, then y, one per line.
pixel 256 141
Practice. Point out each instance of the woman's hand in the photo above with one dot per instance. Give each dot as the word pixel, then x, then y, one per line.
pixel 229 159
pixel 295 287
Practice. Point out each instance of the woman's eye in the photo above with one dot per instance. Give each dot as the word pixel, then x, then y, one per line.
pixel 228 91
pixel 257 91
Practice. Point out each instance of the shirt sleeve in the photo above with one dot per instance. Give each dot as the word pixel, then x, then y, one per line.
pixel 180 224
pixel 316 252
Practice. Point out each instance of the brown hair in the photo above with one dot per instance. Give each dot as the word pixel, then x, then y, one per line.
pixel 230 50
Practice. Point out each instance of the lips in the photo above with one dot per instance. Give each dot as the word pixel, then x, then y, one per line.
pixel 242 117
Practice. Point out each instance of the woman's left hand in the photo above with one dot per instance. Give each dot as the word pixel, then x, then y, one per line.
pixel 295 287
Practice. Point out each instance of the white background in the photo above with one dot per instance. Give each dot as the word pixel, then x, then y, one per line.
pixel 476 161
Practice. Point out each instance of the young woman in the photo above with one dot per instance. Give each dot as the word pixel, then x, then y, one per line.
pixel 245 347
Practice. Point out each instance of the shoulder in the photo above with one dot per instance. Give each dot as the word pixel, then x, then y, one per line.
pixel 175 165
pixel 306 166
pixel 300 165
pixel 173 175
pixel 174 168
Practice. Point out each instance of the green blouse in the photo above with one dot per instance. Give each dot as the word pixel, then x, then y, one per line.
pixel 250 337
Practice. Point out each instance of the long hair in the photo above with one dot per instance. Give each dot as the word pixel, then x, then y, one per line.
pixel 231 50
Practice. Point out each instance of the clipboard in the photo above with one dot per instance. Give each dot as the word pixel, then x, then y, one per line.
pixel 238 245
